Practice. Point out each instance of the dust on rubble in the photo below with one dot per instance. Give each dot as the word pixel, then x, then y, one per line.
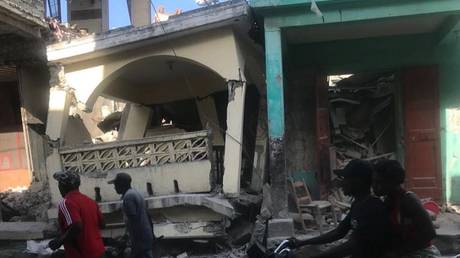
pixel 29 205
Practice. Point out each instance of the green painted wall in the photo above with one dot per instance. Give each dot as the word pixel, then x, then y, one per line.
pixel 365 54
pixel 370 54
pixel 398 52
pixel 448 55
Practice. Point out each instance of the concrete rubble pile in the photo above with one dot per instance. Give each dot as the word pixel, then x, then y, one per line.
pixel 361 112
pixel 29 205
pixel 66 32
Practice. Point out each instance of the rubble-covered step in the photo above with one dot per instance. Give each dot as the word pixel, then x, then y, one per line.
pixel 22 230
pixel 448 234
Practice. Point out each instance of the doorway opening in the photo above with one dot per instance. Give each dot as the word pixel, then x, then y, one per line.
pixel 364 117
pixel 14 171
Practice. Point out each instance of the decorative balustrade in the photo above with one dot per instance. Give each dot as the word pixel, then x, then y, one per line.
pixel 95 160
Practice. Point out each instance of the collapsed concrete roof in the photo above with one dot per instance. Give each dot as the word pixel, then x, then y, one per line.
pixel 230 13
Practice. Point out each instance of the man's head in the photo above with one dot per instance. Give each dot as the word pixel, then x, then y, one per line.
pixel 68 181
pixel 122 182
pixel 356 177
pixel 388 177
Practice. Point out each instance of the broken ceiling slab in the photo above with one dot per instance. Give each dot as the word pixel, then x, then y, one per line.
pixel 215 203
pixel 22 230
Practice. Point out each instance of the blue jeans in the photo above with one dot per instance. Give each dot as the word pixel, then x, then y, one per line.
pixel 144 254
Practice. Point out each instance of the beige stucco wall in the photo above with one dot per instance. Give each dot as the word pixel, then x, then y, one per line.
pixel 192 177
pixel 208 48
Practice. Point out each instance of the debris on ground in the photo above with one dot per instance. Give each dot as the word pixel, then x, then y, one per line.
pixel 447 233
pixel 29 205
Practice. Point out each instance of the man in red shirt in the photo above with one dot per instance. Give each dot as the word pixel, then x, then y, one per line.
pixel 79 219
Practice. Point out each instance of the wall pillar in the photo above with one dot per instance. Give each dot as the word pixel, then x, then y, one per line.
pixel 134 122
pixel 140 12
pixel 234 137
pixel 58 114
pixel 280 226
pixel 276 121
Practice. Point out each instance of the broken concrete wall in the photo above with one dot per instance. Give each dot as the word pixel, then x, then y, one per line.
pixel 76 132
pixel 190 177
pixel 134 122
pixel 34 89
pixel 101 110
pixel 251 115
pixel 16 50
pixel 27 8
pixel 34 85
pixel 260 161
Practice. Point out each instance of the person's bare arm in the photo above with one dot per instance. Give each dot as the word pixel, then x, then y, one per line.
pixel 69 235
pixel 331 236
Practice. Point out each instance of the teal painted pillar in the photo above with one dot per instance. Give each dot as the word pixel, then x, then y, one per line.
pixel 276 122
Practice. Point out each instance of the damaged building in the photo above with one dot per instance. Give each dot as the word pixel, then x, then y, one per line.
pixel 183 102
pixel 178 105
pixel 352 79
pixel 23 93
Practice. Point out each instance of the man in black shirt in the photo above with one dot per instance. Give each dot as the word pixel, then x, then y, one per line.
pixel 368 218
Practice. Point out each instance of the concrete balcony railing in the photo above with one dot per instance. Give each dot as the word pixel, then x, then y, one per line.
pixel 94 161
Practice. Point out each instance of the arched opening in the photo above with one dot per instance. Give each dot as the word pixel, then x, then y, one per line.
pixel 168 94
pixel 162 113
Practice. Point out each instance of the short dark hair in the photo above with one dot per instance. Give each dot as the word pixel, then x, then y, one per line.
pixel 358 169
pixel 390 171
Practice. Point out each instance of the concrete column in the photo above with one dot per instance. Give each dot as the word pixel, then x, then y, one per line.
pixel 276 122
pixel 140 12
pixel 280 226
pixel 89 14
pixel 134 122
pixel 58 113
pixel 209 119
pixel 234 137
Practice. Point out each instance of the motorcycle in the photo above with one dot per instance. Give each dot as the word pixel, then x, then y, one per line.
pixel 283 250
